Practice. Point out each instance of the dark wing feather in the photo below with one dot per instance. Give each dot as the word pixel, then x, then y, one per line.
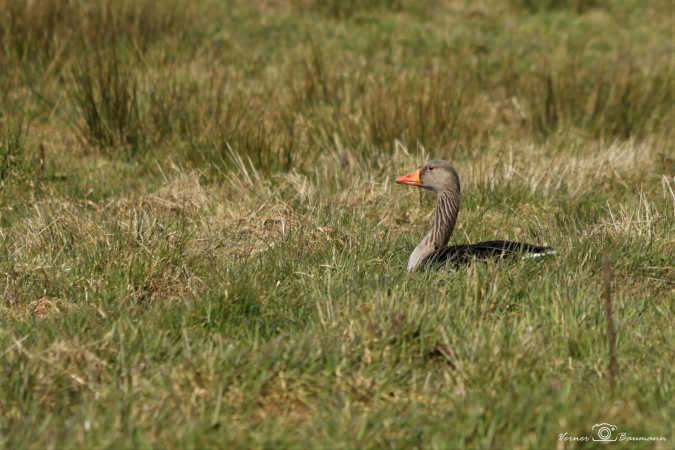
pixel 457 255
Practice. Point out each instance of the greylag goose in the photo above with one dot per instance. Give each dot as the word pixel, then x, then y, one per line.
pixel 432 252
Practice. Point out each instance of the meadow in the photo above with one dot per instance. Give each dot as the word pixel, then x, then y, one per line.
pixel 202 245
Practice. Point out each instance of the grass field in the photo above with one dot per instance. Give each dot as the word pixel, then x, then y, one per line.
pixel 201 244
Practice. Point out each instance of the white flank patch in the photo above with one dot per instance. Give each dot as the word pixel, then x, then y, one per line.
pixel 539 255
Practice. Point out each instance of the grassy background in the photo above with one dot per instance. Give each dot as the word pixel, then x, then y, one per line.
pixel 201 243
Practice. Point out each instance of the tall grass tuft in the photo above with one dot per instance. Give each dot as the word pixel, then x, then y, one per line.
pixel 105 95
pixel 429 108
pixel 535 6
pixel 214 119
pixel 610 99
pixel 16 166
pixel 345 9
pixel 611 331
pixel 31 30
pixel 45 30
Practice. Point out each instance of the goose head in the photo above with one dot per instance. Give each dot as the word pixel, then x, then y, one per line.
pixel 435 175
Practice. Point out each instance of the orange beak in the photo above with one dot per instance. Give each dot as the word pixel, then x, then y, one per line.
pixel 413 178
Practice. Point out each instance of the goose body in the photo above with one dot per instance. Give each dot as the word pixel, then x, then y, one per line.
pixel 432 252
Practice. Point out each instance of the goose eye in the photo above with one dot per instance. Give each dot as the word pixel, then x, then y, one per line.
pixel 431 168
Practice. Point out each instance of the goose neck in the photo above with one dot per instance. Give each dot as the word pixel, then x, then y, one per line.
pixel 445 216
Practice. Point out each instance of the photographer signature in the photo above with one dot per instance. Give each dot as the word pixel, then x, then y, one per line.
pixel 606 432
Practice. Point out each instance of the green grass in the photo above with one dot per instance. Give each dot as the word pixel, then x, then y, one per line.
pixel 201 244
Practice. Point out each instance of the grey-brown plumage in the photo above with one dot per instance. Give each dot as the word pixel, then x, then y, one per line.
pixel 432 252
